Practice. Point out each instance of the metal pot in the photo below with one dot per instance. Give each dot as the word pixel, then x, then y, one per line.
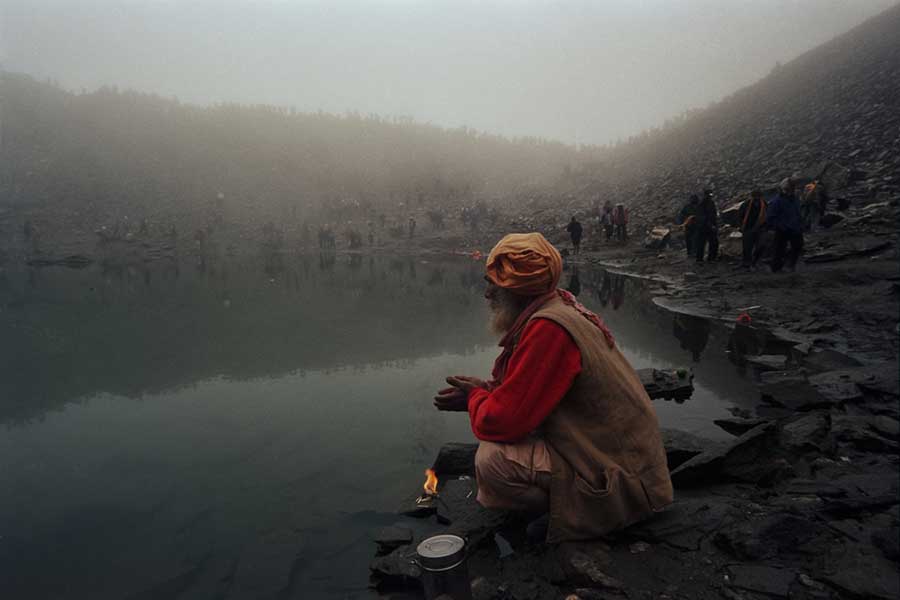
pixel 442 559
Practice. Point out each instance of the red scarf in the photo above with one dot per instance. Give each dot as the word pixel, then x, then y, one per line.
pixel 511 339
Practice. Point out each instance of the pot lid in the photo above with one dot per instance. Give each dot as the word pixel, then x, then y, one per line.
pixel 441 551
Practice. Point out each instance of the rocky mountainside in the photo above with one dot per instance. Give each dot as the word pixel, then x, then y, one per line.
pixel 838 103
pixel 77 162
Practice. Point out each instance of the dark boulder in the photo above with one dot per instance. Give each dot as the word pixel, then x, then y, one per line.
pixel 866 433
pixel 390 538
pixel 455 459
pixel 827 360
pixel 748 458
pixel 681 446
pixel 808 433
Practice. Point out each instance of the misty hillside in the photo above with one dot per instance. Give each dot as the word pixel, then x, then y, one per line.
pixel 101 156
pixel 839 102
pixel 90 159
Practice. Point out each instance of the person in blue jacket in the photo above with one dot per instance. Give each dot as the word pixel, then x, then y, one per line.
pixel 783 216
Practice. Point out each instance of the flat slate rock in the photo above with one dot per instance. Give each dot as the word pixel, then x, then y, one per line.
pixel 815 487
pixel 682 446
pixel 466 517
pixel 881 378
pixel 685 523
pixel 396 570
pixel 854 251
pixel 409 507
pixel 737 426
pixel 457 500
pixel 863 575
pixel 809 432
pixel 867 433
pixel 835 389
pixel 793 390
pixel 772 362
pixel 391 537
pixel 455 459
pixel 888 427
pixel 457 512
pixel 771 536
pixel 762 579
pixel 583 569
pixel 864 493
pixel 827 360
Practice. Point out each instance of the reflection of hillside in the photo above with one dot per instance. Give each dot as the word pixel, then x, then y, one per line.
pixel 659 337
pixel 133 330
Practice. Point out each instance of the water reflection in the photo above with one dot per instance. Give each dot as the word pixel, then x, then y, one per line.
pixel 137 329
pixel 652 337
pixel 235 429
pixel 610 288
pixel 747 340
pixel 692 332
pixel 326 261
pixel 574 284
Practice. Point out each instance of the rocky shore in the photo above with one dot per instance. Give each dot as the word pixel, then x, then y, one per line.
pixel 802 503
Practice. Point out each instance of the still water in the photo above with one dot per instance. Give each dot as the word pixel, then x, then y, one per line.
pixel 236 429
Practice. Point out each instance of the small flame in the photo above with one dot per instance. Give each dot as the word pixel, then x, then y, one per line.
pixel 431 482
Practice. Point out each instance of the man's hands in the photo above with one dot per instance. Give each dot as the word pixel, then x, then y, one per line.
pixel 456 397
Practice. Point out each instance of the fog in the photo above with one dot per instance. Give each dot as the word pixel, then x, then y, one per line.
pixel 579 72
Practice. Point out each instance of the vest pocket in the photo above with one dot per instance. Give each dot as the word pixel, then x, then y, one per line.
pixel 586 488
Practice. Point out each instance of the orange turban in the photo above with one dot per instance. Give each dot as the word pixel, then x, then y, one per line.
pixel 525 263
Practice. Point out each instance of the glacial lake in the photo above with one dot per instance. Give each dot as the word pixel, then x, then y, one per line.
pixel 236 428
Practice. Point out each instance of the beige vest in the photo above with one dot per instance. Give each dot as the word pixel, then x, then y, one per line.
pixel 609 465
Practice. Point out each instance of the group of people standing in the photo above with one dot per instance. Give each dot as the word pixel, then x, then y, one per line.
pixel 779 218
pixel 613 221
pixel 701 226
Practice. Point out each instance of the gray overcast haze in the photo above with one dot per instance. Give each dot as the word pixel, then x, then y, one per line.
pixel 577 71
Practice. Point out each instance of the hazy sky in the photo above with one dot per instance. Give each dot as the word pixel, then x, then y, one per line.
pixel 576 71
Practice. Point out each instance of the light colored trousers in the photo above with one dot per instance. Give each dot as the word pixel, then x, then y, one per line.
pixel 514 476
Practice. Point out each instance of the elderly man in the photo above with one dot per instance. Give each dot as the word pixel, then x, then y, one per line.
pixel 565 424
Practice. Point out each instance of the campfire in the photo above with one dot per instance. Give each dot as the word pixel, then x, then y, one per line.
pixel 429 488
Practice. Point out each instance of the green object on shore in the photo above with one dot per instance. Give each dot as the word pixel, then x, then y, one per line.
pixel 682 373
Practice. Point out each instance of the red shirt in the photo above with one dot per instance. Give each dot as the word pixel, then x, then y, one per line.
pixel 540 372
